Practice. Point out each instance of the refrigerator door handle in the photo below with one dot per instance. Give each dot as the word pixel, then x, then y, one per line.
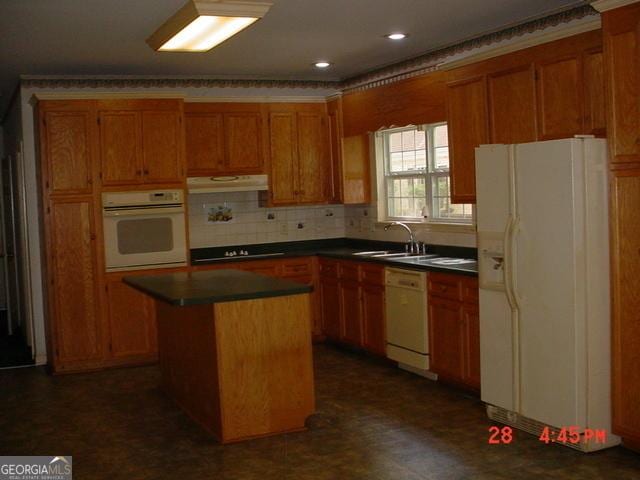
pixel 515 229
pixel 508 285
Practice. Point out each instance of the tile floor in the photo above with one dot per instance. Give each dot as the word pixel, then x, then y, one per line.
pixel 373 422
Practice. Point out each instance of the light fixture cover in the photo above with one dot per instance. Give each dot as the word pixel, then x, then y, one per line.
pixel 202 24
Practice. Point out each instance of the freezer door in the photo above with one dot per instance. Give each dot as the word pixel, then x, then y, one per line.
pixel 496 316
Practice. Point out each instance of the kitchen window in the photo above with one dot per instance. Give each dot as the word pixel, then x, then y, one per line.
pixel 415 180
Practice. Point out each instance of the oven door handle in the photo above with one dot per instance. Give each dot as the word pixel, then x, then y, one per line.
pixel 139 212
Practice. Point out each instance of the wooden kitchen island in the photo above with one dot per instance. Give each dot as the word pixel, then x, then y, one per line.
pixel 235 350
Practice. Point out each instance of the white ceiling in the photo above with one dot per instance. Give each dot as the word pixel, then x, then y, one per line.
pixel 107 37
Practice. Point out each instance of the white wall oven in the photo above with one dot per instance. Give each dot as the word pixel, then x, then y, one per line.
pixel 144 229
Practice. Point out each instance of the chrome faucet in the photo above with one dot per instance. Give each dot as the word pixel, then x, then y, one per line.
pixel 412 246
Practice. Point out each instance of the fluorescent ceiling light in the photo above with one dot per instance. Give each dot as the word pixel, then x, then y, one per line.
pixel 322 64
pixel 396 36
pixel 202 24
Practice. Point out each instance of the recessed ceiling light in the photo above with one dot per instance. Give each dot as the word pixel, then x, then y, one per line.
pixel 396 36
pixel 203 24
pixel 322 64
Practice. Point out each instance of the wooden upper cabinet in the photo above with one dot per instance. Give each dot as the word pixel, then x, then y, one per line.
pixel 284 157
pixel 67 147
pixel 204 143
pixel 560 97
pixel 243 136
pixel 224 139
pixel 300 154
pixel 74 313
pixel 162 146
pixel 512 105
pixel 141 141
pixel 350 180
pixel 120 149
pixel 467 126
pixel 313 157
pixel 595 118
pixel 622 66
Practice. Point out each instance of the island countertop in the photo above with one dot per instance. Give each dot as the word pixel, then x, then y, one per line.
pixel 198 288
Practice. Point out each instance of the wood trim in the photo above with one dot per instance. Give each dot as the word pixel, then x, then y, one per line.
pixel 606 5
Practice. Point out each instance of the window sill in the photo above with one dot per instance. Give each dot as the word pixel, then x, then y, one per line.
pixel 434 226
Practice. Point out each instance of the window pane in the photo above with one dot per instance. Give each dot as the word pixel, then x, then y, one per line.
pixel 409 160
pixel 395 142
pixel 396 162
pixel 441 158
pixel 421 160
pixel 440 138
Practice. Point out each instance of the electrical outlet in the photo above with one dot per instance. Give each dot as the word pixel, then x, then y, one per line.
pixel 283 228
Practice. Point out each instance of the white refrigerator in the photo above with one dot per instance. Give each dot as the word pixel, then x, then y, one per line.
pixel 543 252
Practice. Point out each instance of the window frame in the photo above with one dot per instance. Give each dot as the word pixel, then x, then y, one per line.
pixel 428 174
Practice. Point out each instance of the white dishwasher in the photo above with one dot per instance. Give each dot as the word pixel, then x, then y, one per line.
pixel 407 319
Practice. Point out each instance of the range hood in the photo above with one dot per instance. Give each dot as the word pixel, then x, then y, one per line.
pixel 235 183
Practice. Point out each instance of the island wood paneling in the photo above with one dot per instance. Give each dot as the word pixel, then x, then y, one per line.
pixel 241 369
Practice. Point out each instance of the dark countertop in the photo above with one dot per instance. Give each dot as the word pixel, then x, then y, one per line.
pixel 343 249
pixel 197 288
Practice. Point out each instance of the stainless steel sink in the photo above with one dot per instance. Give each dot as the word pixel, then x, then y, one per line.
pixel 371 253
pixel 451 261
pixel 392 255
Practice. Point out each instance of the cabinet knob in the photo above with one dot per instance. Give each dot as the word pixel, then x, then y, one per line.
pixel 146 172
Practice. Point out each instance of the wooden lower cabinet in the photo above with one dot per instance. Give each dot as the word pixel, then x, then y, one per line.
pixel 75 324
pixel 454 328
pixel 131 319
pixel 373 308
pixel 351 313
pixel 352 301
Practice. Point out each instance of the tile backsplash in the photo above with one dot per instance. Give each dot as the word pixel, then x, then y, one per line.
pixel 246 223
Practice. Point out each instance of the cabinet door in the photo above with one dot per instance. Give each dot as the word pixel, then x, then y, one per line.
pixel 162 146
pixel 284 158
pixel 120 147
pixel 560 98
pixel 595 121
pixel 75 319
pixel 467 126
pixel 132 322
pixel 351 313
pixel 67 150
pixel 471 321
pixel 334 109
pixel 512 105
pixel 625 301
pixel 622 57
pixel 446 338
pixel 330 307
pixel 243 134
pixel 373 308
pixel 356 170
pixel 314 163
pixel 204 144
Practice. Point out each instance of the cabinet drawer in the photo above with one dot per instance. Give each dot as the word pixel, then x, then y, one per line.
pixel 444 286
pixel 372 274
pixel 349 271
pixel 297 267
pixel 470 290
pixel 329 268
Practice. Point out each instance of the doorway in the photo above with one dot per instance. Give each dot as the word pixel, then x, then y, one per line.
pixel 15 335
